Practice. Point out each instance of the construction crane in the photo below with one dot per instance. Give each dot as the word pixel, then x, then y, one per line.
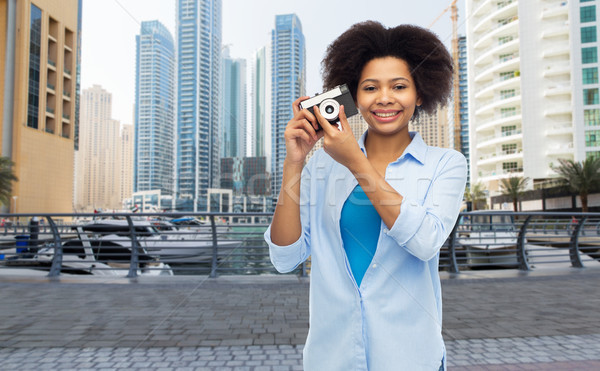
pixel 456 76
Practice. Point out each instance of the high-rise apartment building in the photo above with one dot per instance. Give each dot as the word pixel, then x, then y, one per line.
pixel 287 84
pixel 198 101
pixel 526 107
pixel 433 128
pixel 464 102
pixel 126 158
pixel 154 109
pixel 584 27
pixel 39 65
pixel 98 174
pixel 260 105
pixel 233 129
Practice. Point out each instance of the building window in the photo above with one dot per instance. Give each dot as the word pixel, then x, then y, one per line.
pixel 509 149
pixel 510 167
pixel 592 154
pixel 508 130
pixel 507 75
pixel 587 14
pixel 590 96
pixel 589 55
pixel 591 117
pixel 504 39
pixel 590 75
pixel 588 34
pixel 508 112
pixel 35 36
pixel 592 138
pixel 504 94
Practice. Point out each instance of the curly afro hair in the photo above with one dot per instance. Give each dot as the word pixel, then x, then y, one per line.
pixel 429 61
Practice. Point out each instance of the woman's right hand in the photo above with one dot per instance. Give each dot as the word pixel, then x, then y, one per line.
pixel 300 133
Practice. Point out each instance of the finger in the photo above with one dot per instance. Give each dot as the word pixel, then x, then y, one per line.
pixel 296 104
pixel 308 127
pixel 344 120
pixel 302 135
pixel 322 121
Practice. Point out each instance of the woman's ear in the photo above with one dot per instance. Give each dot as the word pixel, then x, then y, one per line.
pixel 419 102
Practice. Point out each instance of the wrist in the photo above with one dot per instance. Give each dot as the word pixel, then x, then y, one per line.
pixel 293 165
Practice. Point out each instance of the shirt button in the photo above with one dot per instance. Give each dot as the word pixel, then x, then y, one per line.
pixel 374 265
pixel 385 230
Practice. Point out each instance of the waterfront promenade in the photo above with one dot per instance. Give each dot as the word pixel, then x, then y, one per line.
pixel 493 320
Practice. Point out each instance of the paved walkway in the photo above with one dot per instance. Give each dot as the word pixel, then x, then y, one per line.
pixel 501 320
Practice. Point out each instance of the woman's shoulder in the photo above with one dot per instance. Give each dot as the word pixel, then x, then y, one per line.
pixel 440 153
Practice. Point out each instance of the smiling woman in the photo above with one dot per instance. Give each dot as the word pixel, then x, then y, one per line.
pixel 372 214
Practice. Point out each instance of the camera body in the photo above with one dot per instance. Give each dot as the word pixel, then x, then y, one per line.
pixel 329 102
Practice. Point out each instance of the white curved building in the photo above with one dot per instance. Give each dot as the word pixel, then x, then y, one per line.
pixel 526 98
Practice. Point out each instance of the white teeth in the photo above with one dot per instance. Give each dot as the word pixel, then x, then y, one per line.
pixel 389 114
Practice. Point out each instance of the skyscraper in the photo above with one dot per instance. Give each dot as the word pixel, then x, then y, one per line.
pixel 464 103
pixel 198 101
pixel 233 131
pixel 154 109
pixel 97 174
pixel 38 97
pixel 260 107
pixel 126 157
pixel 433 128
pixel 287 84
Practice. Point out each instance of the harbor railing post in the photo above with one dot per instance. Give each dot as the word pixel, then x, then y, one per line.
pixel 521 253
pixel 57 258
pixel 574 244
pixel 213 268
pixel 452 249
pixel 134 262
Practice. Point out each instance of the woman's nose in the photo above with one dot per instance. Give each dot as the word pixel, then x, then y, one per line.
pixel 384 97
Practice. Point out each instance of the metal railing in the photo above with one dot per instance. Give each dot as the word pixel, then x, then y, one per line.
pixel 212 244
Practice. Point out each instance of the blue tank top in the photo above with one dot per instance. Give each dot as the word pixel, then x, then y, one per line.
pixel 360 225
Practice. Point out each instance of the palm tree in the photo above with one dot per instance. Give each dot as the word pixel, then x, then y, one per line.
pixel 514 188
pixel 475 195
pixel 7 177
pixel 582 177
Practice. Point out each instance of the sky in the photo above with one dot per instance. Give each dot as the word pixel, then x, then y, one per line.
pixel 109 28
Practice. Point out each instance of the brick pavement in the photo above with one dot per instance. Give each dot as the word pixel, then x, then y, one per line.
pixel 508 319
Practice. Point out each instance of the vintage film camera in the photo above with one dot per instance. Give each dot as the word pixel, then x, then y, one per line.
pixel 329 104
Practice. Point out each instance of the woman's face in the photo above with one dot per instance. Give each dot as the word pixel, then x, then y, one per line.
pixel 387 95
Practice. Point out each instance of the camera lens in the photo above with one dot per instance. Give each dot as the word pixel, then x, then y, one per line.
pixel 330 109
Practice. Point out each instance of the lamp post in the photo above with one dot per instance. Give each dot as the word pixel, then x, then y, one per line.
pixel 15 209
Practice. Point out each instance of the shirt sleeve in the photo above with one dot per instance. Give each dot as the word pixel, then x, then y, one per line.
pixel 286 258
pixel 422 229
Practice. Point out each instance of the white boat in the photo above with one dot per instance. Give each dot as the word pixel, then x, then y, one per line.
pixel 158 239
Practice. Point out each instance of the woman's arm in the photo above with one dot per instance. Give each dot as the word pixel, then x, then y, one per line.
pixel 300 137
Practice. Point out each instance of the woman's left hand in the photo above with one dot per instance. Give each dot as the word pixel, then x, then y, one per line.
pixel 340 145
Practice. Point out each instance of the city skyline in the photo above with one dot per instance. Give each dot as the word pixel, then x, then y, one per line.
pixel 108 53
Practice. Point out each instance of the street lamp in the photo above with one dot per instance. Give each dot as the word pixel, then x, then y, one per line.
pixel 15 209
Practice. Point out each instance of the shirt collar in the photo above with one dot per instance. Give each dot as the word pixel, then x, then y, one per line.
pixel 416 148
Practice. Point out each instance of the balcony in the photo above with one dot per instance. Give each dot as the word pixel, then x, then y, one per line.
pixel 487 57
pixel 557 70
pixel 511 28
pixel 500 157
pixel 499 119
pixel 559 129
pixel 556 11
pixel 491 104
pixel 506 10
pixel 497 84
pixel 560 109
pixel 497 174
pixel 506 64
pixel 557 90
pixel 556 30
pixel 494 139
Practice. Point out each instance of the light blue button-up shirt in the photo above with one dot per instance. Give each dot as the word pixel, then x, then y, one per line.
pixel 393 321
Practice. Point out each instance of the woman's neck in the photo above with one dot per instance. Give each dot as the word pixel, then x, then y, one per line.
pixel 386 147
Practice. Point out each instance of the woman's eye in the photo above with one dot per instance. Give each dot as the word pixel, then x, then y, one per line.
pixel 399 87
pixel 369 88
